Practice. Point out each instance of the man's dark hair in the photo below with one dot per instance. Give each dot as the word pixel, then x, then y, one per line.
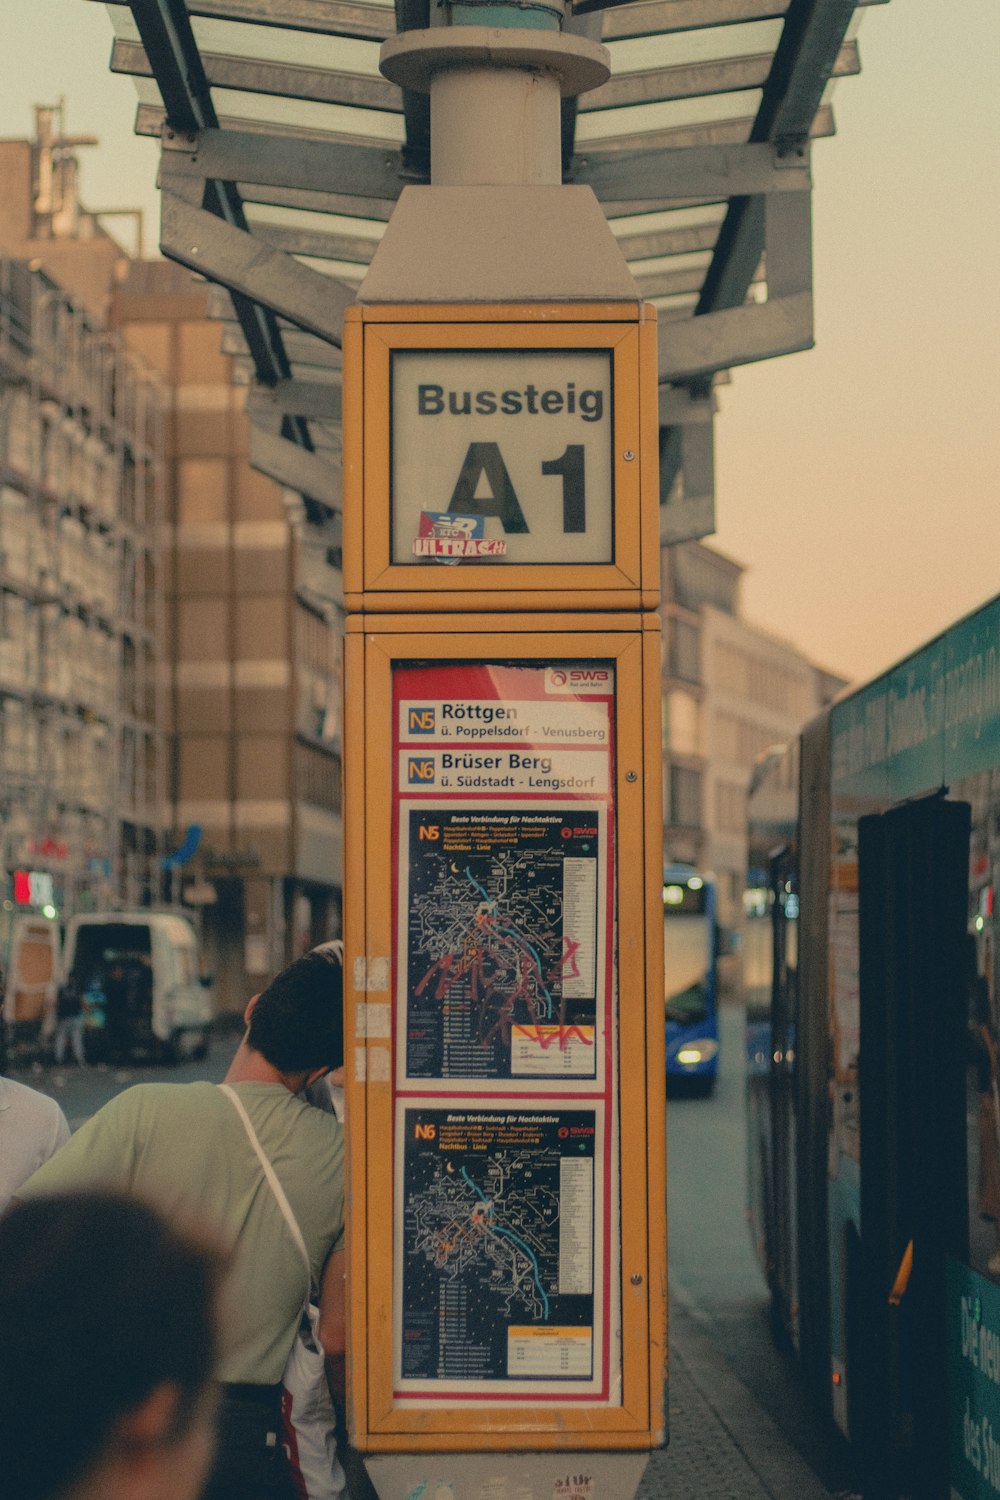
pixel 298 1021
pixel 100 1302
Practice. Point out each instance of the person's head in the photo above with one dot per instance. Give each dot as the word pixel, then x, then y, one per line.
pixel 297 1023
pixel 107 1349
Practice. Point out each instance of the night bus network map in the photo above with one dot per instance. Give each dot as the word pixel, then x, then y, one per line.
pixel 501 935
pixel 498 1244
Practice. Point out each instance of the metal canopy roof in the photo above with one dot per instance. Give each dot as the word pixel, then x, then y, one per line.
pixel 284 150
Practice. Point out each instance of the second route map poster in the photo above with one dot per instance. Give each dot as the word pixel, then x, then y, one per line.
pixel 499 1260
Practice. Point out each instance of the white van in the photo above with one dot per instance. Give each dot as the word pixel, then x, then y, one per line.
pixel 138 972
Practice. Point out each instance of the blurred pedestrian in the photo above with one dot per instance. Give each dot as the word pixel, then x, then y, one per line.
pixel 69 1021
pixel 186 1149
pixel 107 1347
pixel 32 1128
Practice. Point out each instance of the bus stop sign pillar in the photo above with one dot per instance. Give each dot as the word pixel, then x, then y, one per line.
pixel 502 807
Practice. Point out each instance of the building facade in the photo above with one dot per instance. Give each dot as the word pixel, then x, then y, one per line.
pixel 730 692
pixel 82 756
pixel 254 630
pixel 170 619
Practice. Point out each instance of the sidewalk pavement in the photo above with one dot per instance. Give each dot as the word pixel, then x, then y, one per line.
pixel 723 1445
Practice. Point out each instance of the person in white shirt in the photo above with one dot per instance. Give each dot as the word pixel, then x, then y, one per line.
pixel 32 1128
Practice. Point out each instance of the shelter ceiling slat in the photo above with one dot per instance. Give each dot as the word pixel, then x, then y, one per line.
pixel 286 80
pixel 623 21
pixel 721 133
pixel 697 79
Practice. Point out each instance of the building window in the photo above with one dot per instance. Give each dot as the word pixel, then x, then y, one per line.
pixel 682 651
pixel 739 741
pixel 685 797
pixel 680 724
pixel 730 808
pixel 318 778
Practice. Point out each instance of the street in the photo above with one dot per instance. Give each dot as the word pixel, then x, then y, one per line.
pixel 81 1092
pixel 713 1270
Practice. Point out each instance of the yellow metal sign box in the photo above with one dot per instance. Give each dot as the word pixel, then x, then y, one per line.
pixel 505 1093
pixel 500 457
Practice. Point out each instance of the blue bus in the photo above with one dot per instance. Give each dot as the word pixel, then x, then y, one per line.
pixel 690 988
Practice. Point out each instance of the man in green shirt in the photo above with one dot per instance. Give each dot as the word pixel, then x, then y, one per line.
pixel 184 1148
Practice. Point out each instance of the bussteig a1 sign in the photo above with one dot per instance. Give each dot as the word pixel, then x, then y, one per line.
pixel 502 455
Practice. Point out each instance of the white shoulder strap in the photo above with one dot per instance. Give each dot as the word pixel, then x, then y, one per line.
pixel 272 1178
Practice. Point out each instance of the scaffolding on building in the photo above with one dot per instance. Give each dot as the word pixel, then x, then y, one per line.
pixel 82 485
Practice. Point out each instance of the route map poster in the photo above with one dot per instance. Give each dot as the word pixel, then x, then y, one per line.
pixel 501 1273
pixel 501 942
pixel 503 847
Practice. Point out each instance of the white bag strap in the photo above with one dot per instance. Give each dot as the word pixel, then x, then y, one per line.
pixel 272 1180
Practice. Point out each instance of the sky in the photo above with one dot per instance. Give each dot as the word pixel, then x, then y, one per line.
pixel 856 482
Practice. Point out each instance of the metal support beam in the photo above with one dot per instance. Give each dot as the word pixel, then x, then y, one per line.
pixel 807 55
pixel 169 43
pixel 294 467
pixel 289 161
pixel 222 252
pixel 317 243
pixel 713 173
pixel 788 243
pixel 783 324
pixel 811 41
pixel 695 347
pixel 319 399
pixel 301 348
pixel 687 465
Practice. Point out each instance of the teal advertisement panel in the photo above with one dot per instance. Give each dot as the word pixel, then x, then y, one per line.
pixel 888 739
pixel 928 722
pixel 972 694
pixel 974 1383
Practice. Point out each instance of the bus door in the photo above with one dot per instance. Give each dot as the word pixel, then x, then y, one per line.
pixel 784 1016
pixel 912 889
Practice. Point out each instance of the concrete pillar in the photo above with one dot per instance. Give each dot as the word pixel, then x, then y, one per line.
pixel 495 127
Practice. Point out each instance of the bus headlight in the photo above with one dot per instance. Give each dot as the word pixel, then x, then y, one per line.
pixel 693 1053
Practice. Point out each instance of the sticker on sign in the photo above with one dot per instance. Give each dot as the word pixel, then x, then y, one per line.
pixel 580 682
pixel 448 537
